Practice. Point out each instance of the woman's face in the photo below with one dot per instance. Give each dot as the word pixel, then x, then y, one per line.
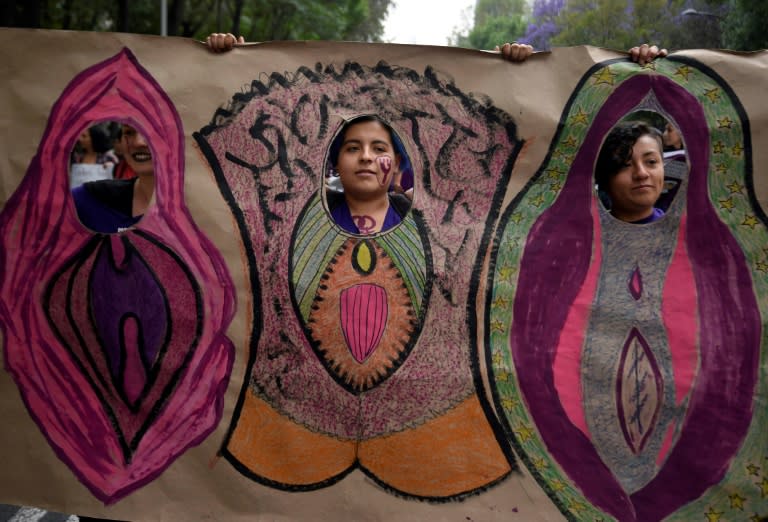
pixel 672 137
pixel 638 184
pixel 367 160
pixel 136 152
pixel 85 140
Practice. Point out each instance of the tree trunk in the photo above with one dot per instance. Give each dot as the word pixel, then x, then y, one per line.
pixel 175 17
pixel 122 16
pixel 237 13
pixel 30 15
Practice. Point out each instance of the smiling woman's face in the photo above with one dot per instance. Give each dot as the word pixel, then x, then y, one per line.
pixel 136 152
pixel 637 185
pixel 367 160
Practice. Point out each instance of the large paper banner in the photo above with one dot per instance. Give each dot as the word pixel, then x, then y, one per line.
pixel 507 346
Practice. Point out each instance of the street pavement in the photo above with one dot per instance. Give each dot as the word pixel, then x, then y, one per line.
pixel 10 513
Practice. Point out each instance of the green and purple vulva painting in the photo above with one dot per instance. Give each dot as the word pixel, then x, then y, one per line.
pixel 625 357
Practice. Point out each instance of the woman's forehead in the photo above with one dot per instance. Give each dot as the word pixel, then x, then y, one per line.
pixel 648 140
pixel 373 130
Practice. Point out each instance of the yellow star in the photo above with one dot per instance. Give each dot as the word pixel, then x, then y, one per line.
pixel 564 157
pixel 557 485
pixel 761 266
pixel 725 123
pixel 737 149
pixel 516 218
pixel 501 302
pixel 554 173
pixel 750 221
pixel 752 469
pixel 509 404
pixel 713 94
pixel 502 376
pixel 538 200
pixel 497 358
pixel 718 147
pixel 507 273
pixel 726 204
pixel 524 433
pixel 605 76
pixel 580 118
pixel 737 501
pixel 497 326
pixel 683 71
pixel 539 463
pixel 713 515
pixel 763 487
pixel 571 142
pixel 555 187
pixel 577 506
pixel 735 187
pixel 721 168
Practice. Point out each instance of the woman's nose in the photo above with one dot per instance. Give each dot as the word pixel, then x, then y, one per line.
pixel 640 171
pixel 367 154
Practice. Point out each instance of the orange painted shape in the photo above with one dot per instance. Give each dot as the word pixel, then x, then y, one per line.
pixel 453 454
pixel 276 448
pixel 326 325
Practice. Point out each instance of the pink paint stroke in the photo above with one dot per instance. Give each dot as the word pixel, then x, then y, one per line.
pixel 679 311
pixel 363 310
pixel 566 367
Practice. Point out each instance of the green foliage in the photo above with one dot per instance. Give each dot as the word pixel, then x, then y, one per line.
pixel 675 24
pixel 496 31
pixel 614 24
pixel 744 26
pixel 314 20
pixel 257 20
pixel 496 22
pixel 487 10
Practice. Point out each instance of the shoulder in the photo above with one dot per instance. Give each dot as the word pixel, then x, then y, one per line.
pixel 334 199
pixel 109 188
pixel 400 203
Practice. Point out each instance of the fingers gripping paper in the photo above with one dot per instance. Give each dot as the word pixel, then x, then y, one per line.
pixel 508 344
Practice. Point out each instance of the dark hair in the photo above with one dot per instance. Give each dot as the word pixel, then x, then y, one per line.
pixel 333 153
pixel 617 149
pixel 100 139
pixel 115 130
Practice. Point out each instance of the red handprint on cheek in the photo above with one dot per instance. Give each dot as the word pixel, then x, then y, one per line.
pixel 385 166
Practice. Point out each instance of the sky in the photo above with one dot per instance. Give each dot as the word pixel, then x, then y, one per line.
pixel 427 22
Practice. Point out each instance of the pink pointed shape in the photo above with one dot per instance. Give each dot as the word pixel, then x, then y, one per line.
pixel 40 234
pixel 135 377
pixel 635 284
pixel 363 310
